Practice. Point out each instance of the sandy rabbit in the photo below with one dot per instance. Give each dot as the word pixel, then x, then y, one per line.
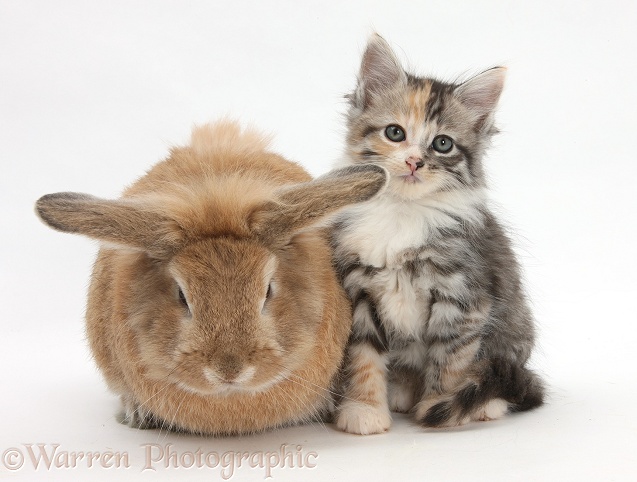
pixel 213 305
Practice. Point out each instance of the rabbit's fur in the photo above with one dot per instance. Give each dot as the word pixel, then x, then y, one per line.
pixel 213 306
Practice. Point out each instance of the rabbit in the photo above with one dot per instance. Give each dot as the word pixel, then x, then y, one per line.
pixel 213 306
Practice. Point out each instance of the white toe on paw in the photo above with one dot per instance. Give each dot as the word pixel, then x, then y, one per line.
pixel 494 409
pixel 401 399
pixel 363 419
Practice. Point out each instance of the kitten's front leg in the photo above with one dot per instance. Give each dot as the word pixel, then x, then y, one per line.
pixel 364 409
pixel 402 388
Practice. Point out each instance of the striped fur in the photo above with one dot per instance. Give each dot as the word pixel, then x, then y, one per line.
pixel 441 326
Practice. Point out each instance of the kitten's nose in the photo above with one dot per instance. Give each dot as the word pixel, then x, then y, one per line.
pixel 414 163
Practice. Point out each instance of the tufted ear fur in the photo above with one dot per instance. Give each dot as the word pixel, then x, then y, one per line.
pixel 302 205
pixel 481 93
pixel 380 71
pixel 123 223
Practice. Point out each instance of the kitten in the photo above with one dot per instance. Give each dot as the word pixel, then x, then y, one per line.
pixel 441 328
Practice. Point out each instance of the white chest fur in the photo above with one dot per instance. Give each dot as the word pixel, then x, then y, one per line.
pixel 402 304
pixel 381 231
pixel 385 233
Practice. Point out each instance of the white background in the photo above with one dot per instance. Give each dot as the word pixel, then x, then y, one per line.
pixel 93 93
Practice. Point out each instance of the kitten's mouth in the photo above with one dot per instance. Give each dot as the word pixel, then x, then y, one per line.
pixel 411 178
pixel 414 163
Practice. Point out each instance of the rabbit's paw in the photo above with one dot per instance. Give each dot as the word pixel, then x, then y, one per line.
pixel 363 419
pixel 136 417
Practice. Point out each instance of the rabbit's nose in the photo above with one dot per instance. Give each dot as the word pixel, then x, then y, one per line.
pixel 230 367
pixel 229 370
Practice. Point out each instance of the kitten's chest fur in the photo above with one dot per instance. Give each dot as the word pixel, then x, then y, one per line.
pixel 402 248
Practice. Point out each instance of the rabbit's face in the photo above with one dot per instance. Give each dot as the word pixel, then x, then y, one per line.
pixel 221 281
pixel 231 327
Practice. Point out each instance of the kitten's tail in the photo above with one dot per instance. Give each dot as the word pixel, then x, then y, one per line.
pixel 498 386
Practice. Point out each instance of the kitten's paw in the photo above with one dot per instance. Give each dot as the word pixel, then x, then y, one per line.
pixel 401 398
pixel 363 419
pixel 438 412
pixel 493 410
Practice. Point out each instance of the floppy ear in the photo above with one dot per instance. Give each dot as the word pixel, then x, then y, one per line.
pixel 481 93
pixel 380 71
pixel 305 204
pixel 122 222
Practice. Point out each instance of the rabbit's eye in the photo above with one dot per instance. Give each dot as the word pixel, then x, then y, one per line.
pixel 182 299
pixel 269 292
pixel 268 295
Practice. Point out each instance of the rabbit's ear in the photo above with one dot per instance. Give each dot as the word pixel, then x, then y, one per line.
pixel 305 204
pixel 123 223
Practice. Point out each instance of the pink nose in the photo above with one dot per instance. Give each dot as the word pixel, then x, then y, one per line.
pixel 414 163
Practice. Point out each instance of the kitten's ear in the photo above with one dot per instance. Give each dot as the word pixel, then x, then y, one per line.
pixel 380 71
pixel 480 94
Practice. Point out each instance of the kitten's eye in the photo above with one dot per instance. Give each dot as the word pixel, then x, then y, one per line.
pixel 395 133
pixel 442 144
pixel 182 299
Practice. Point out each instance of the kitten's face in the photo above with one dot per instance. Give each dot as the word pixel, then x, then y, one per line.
pixel 429 135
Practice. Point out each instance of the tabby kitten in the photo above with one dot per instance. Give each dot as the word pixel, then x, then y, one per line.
pixel 441 325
